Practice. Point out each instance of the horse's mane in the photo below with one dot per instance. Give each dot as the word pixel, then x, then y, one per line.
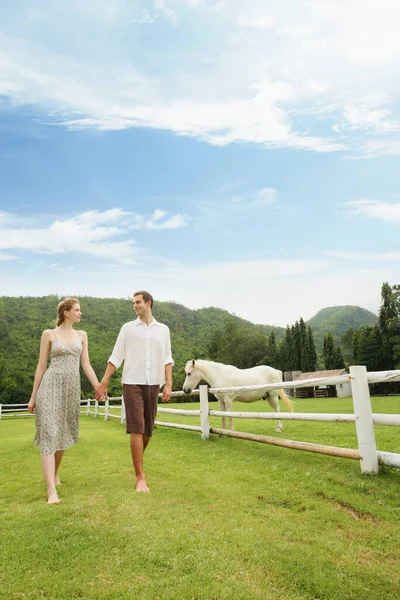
pixel 212 362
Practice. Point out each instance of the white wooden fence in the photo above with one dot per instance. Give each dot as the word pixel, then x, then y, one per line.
pixel 364 419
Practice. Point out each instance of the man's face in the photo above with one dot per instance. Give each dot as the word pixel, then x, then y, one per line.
pixel 140 306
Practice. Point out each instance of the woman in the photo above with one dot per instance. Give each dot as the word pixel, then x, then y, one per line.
pixel 56 393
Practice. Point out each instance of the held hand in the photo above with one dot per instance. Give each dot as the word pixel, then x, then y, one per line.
pixel 101 392
pixel 31 406
pixel 166 395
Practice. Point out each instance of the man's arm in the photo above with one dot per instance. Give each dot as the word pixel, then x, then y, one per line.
pixel 166 395
pixel 116 359
pixel 101 392
pixel 169 363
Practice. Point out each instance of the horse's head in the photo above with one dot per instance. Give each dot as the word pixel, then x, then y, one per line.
pixel 193 377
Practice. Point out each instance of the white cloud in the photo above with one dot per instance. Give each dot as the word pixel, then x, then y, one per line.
pixel 255 119
pixel 82 96
pixel 375 148
pixel 93 233
pixel 370 113
pixel 256 21
pixel 145 18
pixel 383 211
pixel 175 222
pixel 306 56
pixel 297 31
pixel 170 15
pixel 263 198
pixel 366 256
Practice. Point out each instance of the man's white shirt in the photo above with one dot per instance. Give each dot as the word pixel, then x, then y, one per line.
pixel 145 350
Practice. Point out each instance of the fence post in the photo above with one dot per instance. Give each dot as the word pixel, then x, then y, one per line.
pixel 96 408
pixel 88 406
pixel 1 406
pixel 123 414
pixel 106 404
pixel 204 420
pixel 364 420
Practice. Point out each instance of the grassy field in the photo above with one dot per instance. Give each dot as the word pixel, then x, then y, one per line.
pixel 226 518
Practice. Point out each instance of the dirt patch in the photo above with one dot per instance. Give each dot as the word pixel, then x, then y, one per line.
pixel 347 508
pixel 354 512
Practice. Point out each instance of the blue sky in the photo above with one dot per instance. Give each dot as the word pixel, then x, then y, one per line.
pixel 240 155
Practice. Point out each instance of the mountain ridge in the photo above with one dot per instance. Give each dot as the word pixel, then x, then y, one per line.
pixel 339 319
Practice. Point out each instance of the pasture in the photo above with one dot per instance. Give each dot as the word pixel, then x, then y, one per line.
pixel 226 518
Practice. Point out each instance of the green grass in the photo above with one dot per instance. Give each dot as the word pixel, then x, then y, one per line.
pixel 226 518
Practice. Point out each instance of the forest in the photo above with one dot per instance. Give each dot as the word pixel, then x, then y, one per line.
pixel 334 338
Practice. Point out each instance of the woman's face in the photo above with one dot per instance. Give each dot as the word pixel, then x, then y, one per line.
pixel 74 315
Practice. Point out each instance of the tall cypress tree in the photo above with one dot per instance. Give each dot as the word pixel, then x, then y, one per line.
pixel 285 351
pixel 370 348
pixel 328 352
pixel 296 346
pixel 338 358
pixel 272 350
pixel 310 359
pixel 389 324
pixel 355 348
pixel 303 345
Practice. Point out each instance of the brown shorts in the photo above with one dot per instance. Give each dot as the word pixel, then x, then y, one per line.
pixel 140 407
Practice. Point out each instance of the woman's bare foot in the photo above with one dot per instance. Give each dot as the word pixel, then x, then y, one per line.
pixel 141 486
pixel 57 480
pixel 52 497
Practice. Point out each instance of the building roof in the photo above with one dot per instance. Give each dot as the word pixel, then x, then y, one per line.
pixel 332 373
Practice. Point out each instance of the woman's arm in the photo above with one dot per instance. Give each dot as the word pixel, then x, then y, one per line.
pixel 45 343
pixel 85 361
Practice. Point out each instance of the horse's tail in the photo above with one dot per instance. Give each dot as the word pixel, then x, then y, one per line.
pixel 286 400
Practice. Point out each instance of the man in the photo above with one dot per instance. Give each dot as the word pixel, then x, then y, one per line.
pixel 144 346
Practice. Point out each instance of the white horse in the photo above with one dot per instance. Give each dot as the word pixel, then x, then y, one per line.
pixel 218 375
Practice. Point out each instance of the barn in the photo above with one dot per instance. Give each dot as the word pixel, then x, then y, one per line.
pixel 341 390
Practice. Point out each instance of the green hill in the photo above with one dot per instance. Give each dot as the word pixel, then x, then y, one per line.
pixel 23 319
pixel 337 320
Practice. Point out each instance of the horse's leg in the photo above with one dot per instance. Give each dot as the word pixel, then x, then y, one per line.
pixel 221 403
pixel 273 399
pixel 228 407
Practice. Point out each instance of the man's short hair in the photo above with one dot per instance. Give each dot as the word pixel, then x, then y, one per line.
pixel 147 297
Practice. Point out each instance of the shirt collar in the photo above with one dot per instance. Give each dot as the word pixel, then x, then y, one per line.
pixel 138 321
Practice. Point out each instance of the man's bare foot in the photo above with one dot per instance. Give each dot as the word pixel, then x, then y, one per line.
pixel 52 497
pixel 57 480
pixel 141 486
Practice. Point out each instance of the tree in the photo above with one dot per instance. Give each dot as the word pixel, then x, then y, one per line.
pixel 272 358
pixel 272 351
pixel 346 341
pixel 284 351
pixel 328 352
pixel 389 324
pixel 389 309
pixel 355 348
pixel 338 358
pixel 296 347
pixel 370 349
pixel 238 345
pixel 303 345
pixel 309 358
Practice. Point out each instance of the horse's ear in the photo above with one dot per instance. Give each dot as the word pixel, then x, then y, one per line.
pixel 193 362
